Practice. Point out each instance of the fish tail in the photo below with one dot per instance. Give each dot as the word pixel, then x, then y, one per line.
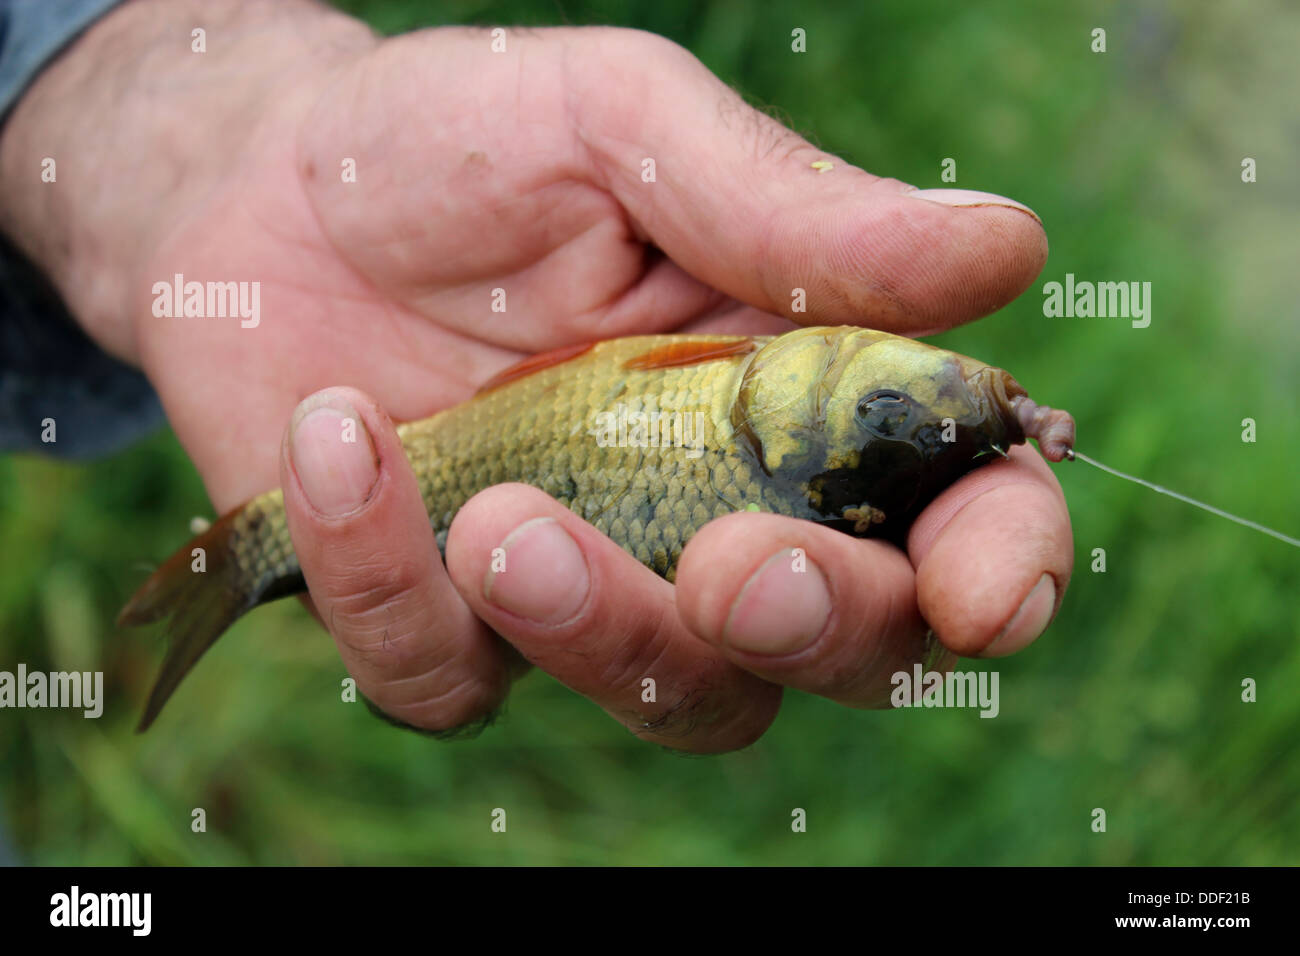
pixel 202 589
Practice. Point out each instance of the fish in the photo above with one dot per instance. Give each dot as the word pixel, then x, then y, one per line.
pixel 648 438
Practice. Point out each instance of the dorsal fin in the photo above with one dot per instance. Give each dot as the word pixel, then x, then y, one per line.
pixel 534 363
pixel 677 354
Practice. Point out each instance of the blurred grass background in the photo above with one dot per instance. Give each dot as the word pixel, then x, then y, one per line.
pixel 1130 703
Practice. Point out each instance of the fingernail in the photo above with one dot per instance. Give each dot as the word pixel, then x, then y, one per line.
pixel 332 455
pixel 538 573
pixel 969 197
pixel 1028 622
pixel 782 608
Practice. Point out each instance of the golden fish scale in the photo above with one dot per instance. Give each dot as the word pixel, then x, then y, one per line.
pixel 539 430
pixel 261 544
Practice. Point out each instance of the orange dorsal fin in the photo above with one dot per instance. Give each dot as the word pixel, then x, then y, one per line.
pixel 677 354
pixel 533 364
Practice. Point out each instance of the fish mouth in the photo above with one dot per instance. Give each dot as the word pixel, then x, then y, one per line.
pixel 1012 417
pixel 997 395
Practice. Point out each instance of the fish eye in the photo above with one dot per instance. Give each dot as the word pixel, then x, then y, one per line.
pixel 884 412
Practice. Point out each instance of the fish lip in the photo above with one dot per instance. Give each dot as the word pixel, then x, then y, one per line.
pixel 994 390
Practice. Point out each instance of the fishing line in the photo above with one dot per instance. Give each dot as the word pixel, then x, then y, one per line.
pixel 1072 455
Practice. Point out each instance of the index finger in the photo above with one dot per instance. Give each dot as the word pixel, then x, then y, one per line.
pixel 758 221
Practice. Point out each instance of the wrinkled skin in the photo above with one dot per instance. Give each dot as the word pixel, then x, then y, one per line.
pixel 520 171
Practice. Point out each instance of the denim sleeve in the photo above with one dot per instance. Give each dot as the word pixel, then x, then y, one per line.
pixel 49 369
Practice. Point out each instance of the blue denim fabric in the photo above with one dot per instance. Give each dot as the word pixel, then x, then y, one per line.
pixel 48 367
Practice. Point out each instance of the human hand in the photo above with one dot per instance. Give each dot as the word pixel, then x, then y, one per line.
pixel 520 171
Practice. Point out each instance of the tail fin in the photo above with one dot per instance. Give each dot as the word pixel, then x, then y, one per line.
pixel 201 600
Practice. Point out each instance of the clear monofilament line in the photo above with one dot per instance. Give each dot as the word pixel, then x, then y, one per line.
pixel 1191 501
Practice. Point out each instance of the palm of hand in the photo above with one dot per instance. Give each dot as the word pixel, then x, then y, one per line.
pixel 388 282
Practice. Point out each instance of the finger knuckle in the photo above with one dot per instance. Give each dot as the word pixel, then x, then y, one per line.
pixel 644 46
pixel 375 599
pixel 441 701
pixel 638 650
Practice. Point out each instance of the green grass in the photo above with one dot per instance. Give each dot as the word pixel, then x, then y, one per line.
pixel 1131 702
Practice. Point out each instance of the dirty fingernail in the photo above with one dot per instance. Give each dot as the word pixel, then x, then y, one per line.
pixel 782 608
pixel 1028 622
pixel 540 573
pixel 969 197
pixel 332 455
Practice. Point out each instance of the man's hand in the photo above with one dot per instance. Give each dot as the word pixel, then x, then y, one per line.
pixel 523 171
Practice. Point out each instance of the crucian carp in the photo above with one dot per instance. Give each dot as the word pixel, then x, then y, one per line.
pixel 844 426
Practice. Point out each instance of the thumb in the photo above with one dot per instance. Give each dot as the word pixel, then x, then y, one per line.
pixel 732 197
pixel 370 560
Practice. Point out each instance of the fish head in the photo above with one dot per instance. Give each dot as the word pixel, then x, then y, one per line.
pixel 871 424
